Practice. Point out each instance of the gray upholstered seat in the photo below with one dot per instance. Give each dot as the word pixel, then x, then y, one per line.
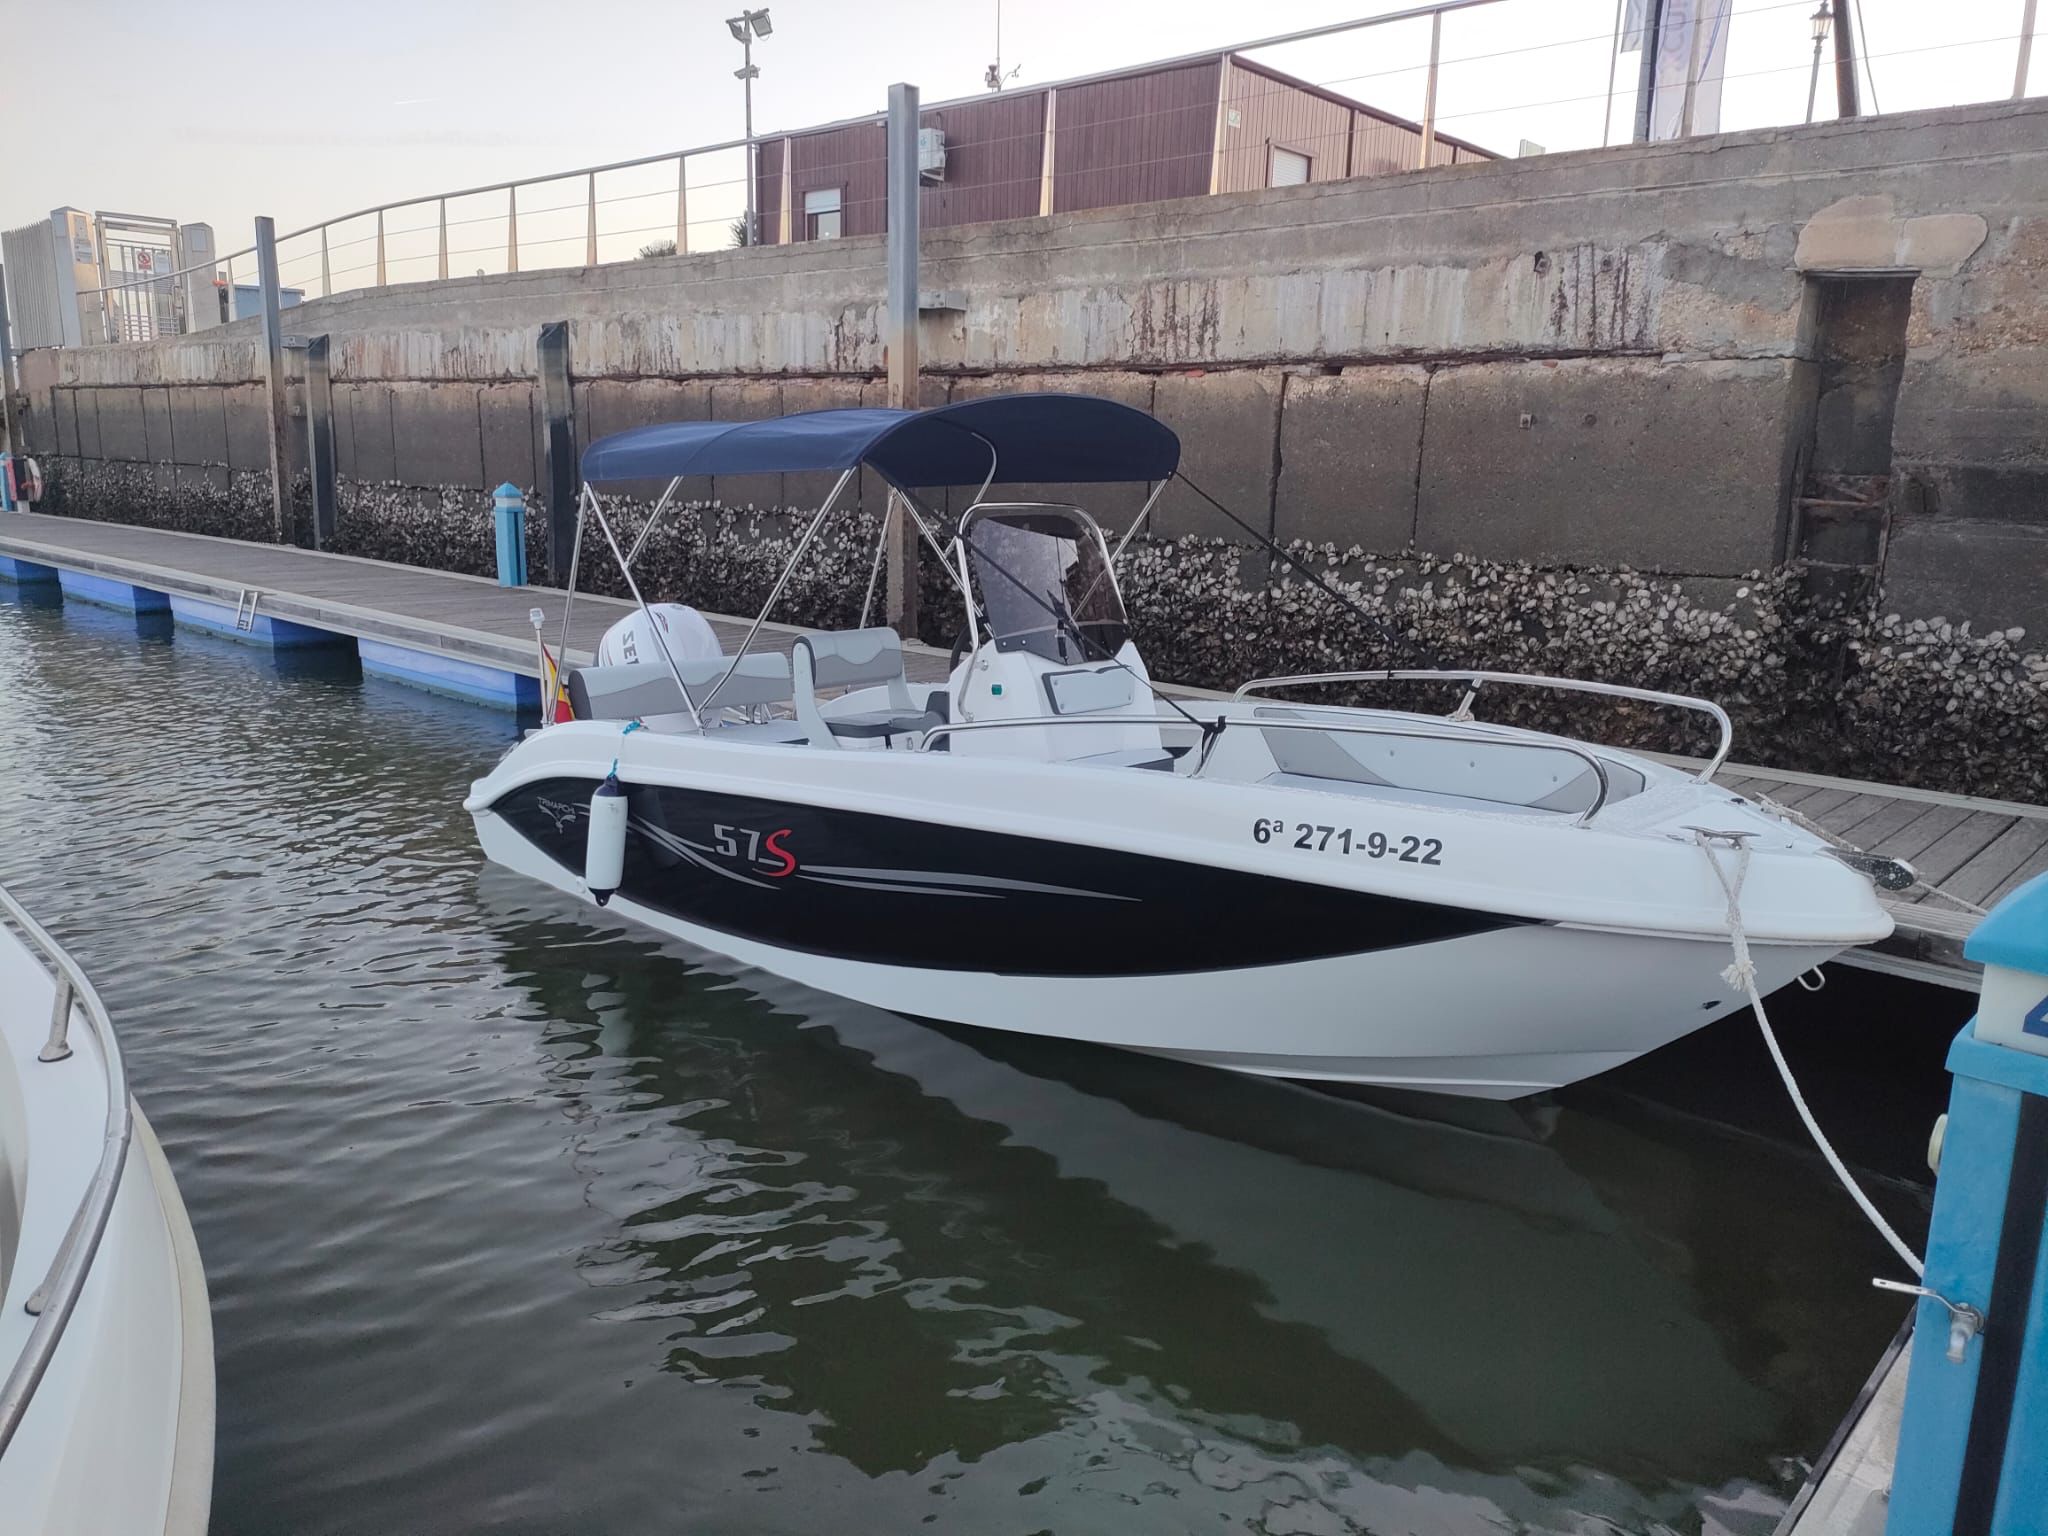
pixel 855 658
pixel 636 689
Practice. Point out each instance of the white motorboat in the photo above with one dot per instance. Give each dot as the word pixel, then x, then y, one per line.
pixel 107 1409
pixel 1049 845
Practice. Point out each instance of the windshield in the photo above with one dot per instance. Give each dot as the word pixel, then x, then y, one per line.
pixel 1045 584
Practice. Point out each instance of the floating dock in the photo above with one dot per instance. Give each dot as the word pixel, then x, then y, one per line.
pixel 472 638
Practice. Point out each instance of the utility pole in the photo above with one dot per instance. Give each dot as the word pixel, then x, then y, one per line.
pixel 1845 63
pixel 747 26
pixel 901 337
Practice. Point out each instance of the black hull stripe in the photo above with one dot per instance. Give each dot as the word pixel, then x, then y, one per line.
pixel 888 890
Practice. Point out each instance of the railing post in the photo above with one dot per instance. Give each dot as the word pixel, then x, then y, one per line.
pixel 901 337
pixel 1970 1437
pixel 273 378
pixel 1436 42
pixel 380 248
pixel 590 232
pixel 326 274
pixel 320 439
pixel 558 435
pixel 443 268
pixel 2019 73
pixel 1049 161
pixel 682 205
pixel 1646 73
pixel 58 1046
pixel 512 229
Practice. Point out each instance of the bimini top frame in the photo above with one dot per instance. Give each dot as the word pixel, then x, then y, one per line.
pixel 1045 438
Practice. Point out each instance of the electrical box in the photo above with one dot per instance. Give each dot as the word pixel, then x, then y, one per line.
pixel 931 154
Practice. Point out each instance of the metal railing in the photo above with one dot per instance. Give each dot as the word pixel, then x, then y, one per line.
pixel 1264 723
pixel 380 258
pixel 1474 681
pixel 54 1300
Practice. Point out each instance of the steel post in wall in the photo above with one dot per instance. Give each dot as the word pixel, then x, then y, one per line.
pixel 442 266
pixel 901 338
pixel 558 435
pixel 512 229
pixel 380 248
pixel 320 439
pixel 326 272
pixel 590 225
pixel 273 379
pixel 7 434
pixel 1845 62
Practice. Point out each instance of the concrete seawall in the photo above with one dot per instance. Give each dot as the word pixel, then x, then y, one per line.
pixel 1822 350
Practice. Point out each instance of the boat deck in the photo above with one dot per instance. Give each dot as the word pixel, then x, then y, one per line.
pixel 1976 849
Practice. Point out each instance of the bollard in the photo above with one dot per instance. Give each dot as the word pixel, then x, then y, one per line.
pixel 509 508
pixel 1973 1439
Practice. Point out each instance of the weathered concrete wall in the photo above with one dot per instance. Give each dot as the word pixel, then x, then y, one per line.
pixel 1600 361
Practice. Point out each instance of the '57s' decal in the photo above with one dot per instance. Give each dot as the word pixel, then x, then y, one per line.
pixel 1316 838
pixel 763 850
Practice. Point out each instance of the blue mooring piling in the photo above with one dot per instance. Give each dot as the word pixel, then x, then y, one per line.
pixel 1973 1441
pixel 508 507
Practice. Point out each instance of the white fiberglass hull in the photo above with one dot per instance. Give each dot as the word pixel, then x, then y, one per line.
pixel 117 1434
pixel 1134 909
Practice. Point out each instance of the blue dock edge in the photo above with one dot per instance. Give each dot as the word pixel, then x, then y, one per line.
pixel 263 631
pixel 450 675
pixel 1973 1439
pixel 26 573
pixel 108 592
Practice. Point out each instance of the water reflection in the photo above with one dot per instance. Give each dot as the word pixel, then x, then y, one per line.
pixel 517 1221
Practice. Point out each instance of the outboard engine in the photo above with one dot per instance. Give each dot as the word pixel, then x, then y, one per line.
pixel 604 852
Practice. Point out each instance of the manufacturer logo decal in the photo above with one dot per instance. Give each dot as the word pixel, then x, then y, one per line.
pixel 2036 1022
pixel 561 812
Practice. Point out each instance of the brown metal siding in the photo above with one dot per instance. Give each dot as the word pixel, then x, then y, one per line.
pixel 995 151
pixel 1379 148
pixel 1274 112
pixel 854 160
pixel 1135 138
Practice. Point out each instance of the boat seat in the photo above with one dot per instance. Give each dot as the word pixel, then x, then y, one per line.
pixel 855 658
pixel 635 689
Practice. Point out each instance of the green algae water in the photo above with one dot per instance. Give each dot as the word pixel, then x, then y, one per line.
pixel 519 1219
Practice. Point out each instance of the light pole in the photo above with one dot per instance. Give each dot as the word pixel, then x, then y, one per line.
pixel 1822 19
pixel 747 26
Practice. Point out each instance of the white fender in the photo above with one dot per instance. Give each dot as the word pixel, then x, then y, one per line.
pixel 604 853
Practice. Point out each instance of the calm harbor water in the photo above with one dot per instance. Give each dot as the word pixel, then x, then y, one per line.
pixel 518 1221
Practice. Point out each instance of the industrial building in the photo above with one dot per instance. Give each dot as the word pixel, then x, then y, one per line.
pixel 1218 123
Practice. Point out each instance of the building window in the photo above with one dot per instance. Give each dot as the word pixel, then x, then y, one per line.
pixel 1290 168
pixel 821 215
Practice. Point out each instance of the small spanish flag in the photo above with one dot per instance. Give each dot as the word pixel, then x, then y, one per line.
pixel 554 697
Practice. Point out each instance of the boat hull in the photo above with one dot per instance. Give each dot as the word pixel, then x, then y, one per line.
pixel 1251 973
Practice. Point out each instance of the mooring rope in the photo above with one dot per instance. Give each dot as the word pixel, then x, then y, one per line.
pixel 1741 975
pixel 1797 818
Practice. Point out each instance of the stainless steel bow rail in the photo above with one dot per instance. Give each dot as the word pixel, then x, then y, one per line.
pixel 1474 681
pixel 53 1301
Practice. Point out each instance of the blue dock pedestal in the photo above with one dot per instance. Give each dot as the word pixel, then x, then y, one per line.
pixel 508 509
pixel 1973 1441
pixel 27 573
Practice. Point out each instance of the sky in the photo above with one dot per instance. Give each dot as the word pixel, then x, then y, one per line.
pixel 223 110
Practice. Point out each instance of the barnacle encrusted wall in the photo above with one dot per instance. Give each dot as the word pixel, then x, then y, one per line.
pixel 1846 691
